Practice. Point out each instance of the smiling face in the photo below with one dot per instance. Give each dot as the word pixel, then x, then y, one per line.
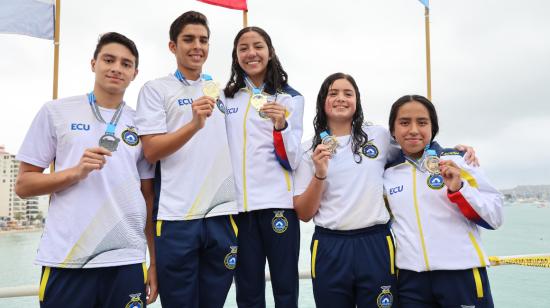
pixel 114 68
pixel 191 49
pixel 341 101
pixel 253 55
pixel 413 128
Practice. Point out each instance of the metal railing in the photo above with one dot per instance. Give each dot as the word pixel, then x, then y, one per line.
pixel 535 260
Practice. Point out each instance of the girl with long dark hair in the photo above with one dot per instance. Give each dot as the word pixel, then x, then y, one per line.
pixel 264 129
pixel 352 249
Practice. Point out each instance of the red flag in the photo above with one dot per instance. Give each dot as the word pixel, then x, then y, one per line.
pixel 230 4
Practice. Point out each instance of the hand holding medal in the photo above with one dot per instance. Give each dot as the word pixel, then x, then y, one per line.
pixel 451 175
pixel 202 108
pixel 320 158
pixel 276 112
pixel 329 141
pixel 92 159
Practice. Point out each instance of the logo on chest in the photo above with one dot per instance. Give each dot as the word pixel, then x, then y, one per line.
pixel 185 101
pixel 130 136
pixel 395 190
pixel 80 126
pixel 435 181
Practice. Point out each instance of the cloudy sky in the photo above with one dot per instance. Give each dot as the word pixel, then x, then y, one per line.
pixel 490 64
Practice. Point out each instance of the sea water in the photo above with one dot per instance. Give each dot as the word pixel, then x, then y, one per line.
pixel 526 230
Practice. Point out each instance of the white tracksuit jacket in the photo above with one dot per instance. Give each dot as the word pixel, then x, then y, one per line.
pixel 436 230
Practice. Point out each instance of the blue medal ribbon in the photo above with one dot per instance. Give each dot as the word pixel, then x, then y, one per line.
pixel 111 126
pixel 255 90
pixel 179 76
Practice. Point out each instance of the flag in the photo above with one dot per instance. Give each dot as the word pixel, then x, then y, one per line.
pixel 426 3
pixel 230 4
pixel 28 17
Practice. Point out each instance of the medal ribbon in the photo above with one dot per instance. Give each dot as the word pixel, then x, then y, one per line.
pixel 255 90
pixel 181 78
pixel 114 120
pixel 184 81
pixel 419 164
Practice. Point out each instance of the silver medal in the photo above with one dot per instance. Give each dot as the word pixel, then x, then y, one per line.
pixel 431 163
pixel 110 142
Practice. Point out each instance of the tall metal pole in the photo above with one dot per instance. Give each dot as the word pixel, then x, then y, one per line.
pixel 56 49
pixel 245 18
pixel 56 58
pixel 428 59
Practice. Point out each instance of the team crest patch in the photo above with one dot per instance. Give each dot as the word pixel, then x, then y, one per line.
pixel 221 106
pixel 135 301
pixel 279 223
pixel 435 181
pixel 130 136
pixel 370 151
pixel 230 260
pixel 385 298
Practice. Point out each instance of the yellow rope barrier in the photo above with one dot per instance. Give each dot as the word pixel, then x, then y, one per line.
pixel 542 260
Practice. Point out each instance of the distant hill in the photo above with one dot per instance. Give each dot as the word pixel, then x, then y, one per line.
pixel 535 192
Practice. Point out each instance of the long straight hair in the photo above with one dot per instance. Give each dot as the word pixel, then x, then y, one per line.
pixel 275 78
pixel 359 137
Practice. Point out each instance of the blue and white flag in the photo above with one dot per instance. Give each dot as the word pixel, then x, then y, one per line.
pixel 426 3
pixel 28 17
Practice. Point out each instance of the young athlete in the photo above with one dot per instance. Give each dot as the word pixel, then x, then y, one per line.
pixel 264 129
pixel 352 248
pixel 438 210
pixel 92 250
pixel 183 131
pixel 352 251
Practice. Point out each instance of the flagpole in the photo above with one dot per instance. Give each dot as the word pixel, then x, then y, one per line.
pixel 245 18
pixel 56 49
pixel 56 58
pixel 428 59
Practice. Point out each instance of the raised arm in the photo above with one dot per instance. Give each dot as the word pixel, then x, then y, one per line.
pixel 307 203
pixel 159 146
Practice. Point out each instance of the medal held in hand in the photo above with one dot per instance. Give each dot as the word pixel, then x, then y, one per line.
pixel 210 88
pixel 330 141
pixel 431 162
pixel 258 100
pixel 110 142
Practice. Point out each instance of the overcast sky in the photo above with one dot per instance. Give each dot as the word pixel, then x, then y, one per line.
pixel 490 64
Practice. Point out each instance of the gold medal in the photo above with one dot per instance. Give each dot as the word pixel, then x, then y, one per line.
pixel 211 89
pixel 258 100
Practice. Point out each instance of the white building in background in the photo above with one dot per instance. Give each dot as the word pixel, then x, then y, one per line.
pixel 13 208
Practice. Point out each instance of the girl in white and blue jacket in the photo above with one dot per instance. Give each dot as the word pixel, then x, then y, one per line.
pixel 264 143
pixel 437 215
